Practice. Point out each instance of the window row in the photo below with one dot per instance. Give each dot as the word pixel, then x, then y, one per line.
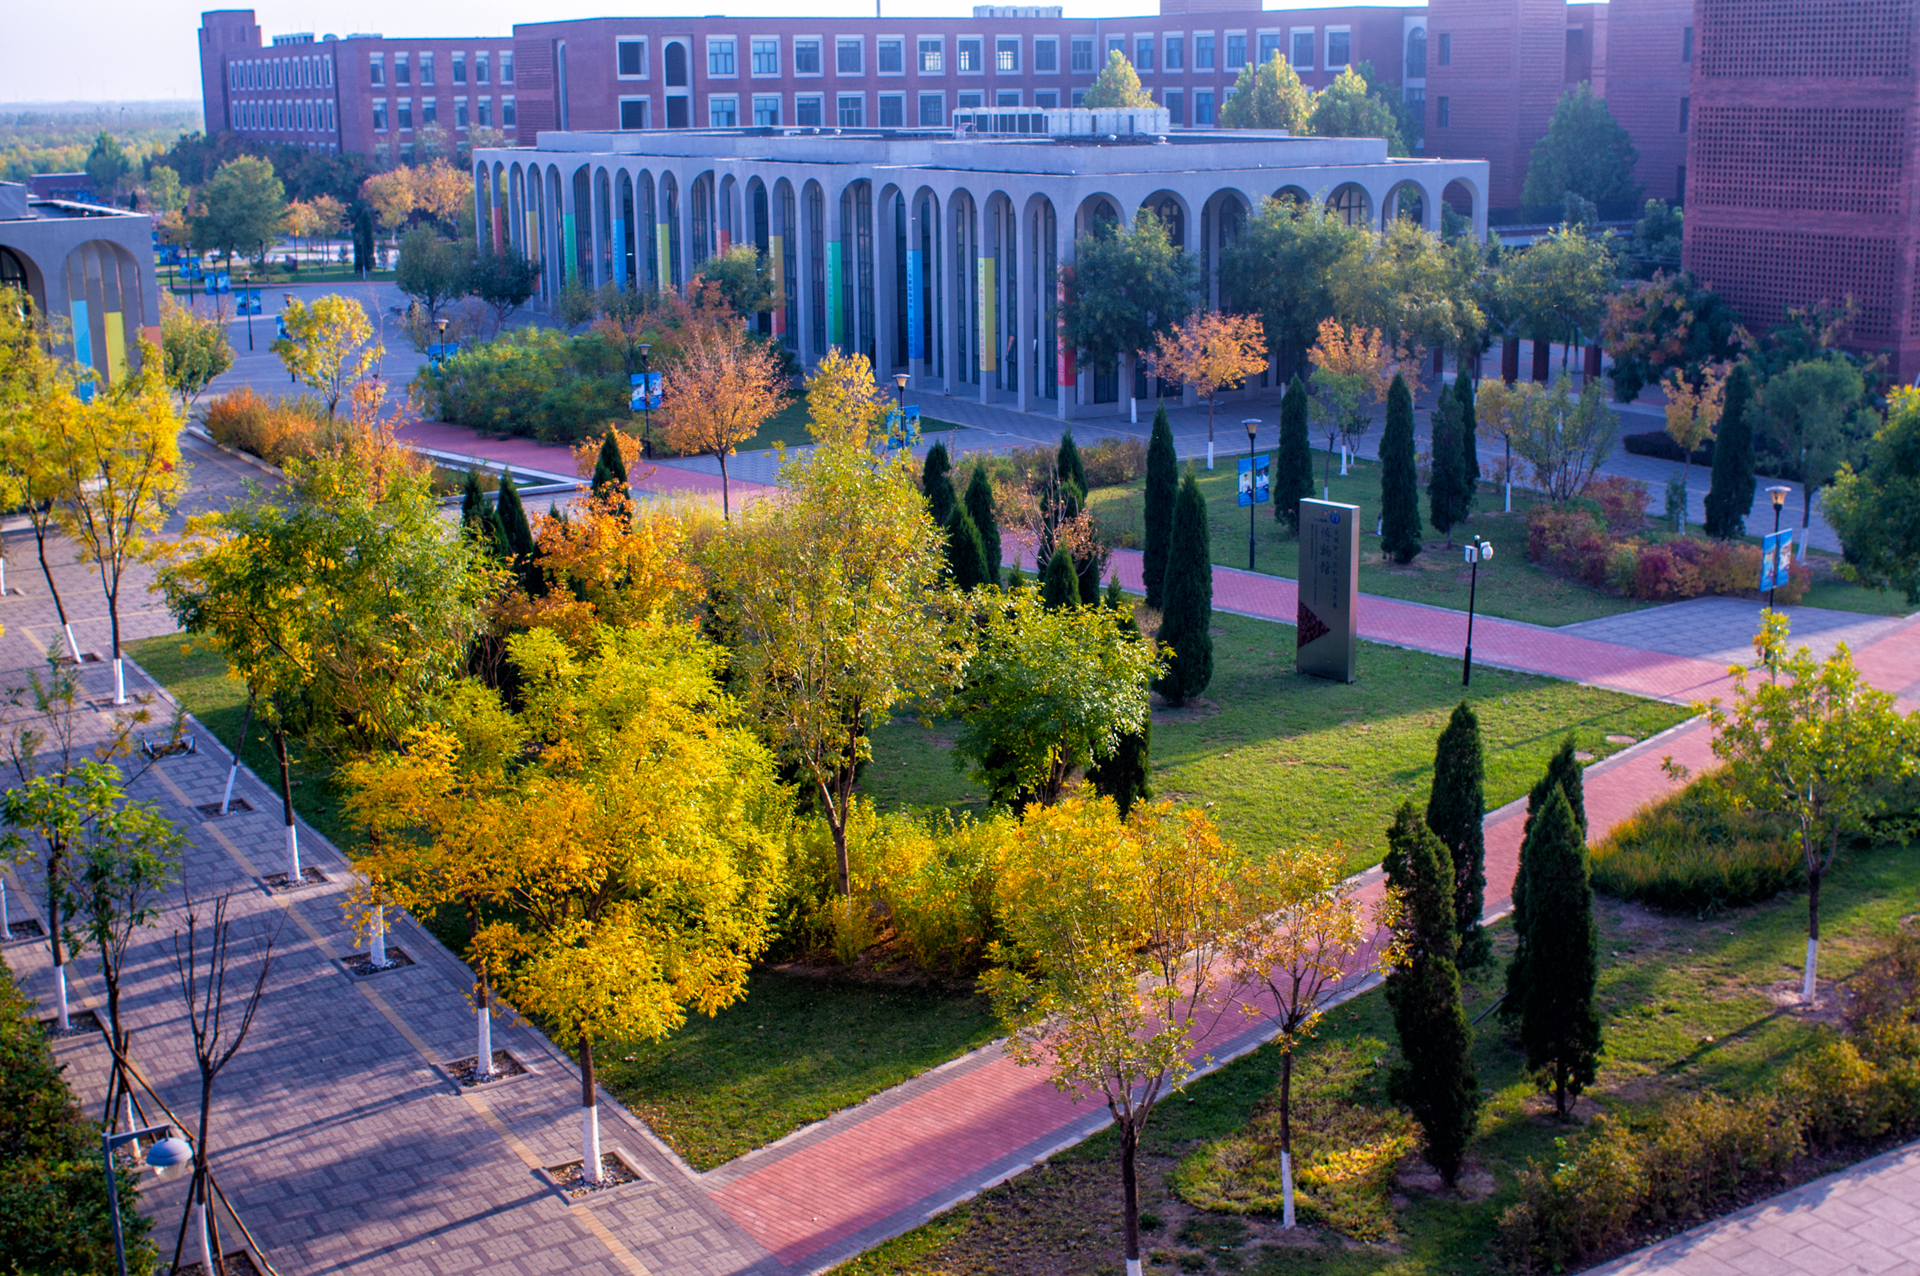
pixel 304 116
pixel 404 64
pixel 481 116
pixel 894 110
pixel 281 73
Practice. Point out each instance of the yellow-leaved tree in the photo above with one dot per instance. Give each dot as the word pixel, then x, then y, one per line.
pixel 625 828
pixel 606 563
pixel 721 389
pixel 329 345
pixel 1210 352
pixel 1694 405
pixel 35 383
pixel 1351 369
pixel 843 403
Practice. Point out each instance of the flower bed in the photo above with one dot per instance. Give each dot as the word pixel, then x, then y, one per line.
pixel 1577 542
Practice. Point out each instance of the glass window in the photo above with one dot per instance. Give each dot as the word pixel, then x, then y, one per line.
pixel 1176 53
pixel 1116 44
pixel 484 116
pixel 1175 100
pixel 853 110
pixel 723 111
pixel 931 58
pixel 1082 54
pixel 506 73
pixel 806 109
pixel 1007 97
pixel 766 110
pixel 482 69
pixel 426 68
pixel 893 110
pixel 933 110
pixel 402 69
pixel 1686 44
pixel 1236 50
pixel 633 112
pixel 1143 53
pixel 1202 58
pixel 1046 54
pixel 766 57
pixel 460 112
pixel 403 112
pixel 1269 46
pixel 1338 45
pixel 379 115
pixel 377 70
pixel 1079 97
pixel 459 68
pixel 1303 50
pixel 1446 48
pixel 720 55
pixel 971 101
pixel 1442 115
pixel 847 56
pixel 1006 54
pixel 806 57
pixel 892 56
pixel 631 57
pixel 1684 103
pixel 508 117
pixel 971 52
pixel 429 111
pixel 1203 107
pixel 1046 99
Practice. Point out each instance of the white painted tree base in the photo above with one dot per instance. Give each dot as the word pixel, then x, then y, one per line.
pixel 483 1061
pixel 1286 1189
pixel 1209 453
pixel 378 945
pixel 1133 1267
pixel 293 856
pixel 60 982
pixel 119 680
pixel 197 1224
pixel 590 1143
pixel 72 645
pixel 1813 966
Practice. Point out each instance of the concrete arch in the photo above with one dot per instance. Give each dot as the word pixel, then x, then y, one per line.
pixel 1406 200
pixel 813 266
pixel 646 229
pixel 926 266
pixel 1353 202
pixel 1291 194
pixel 1175 213
pixel 784 214
pixel 577 224
pixel 960 252
pixel 729 213
pixel 702 225
pixel 602 253
pixel 1042 370
pixel 626 262
pixel 107 301
pixel 1461 196
pixel 672 273
pixel 1097 207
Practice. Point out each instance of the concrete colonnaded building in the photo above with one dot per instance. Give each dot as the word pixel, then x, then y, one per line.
pixel 935 254
pixel 86 264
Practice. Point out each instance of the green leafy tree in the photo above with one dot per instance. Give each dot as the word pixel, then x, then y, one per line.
pixel 1564 775
pixel 165 194
pixel 1463 391
pixel 434 271
pixel 1117 86
pixel 965 557
pixel 1049 690
pixel 1163 483
pixel 1435 1079
pixel 1455 808
pixel 1125 288
pixel 1187 620
pixel 1346 108
pixel 1293 462
pixel 1731 495
pixel 1585 152
pixel 194 349
pixel 1447 483
pixel 986 521
pixel 239 209
pixel 107 167
pixel 1814 743
pixel 1558 1024
pixel 330 344
pixel 1667 323
pixel 1284 267
pixel 936 483
pixel 1877 509
pixel 743 278
pixel 476 514
pixel 1399 477
pixel 1814 413
pixel 1557 288
pixel 1269 96
pixel 504 281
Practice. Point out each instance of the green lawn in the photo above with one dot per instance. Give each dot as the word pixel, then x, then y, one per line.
pixel 1688 1005
pixel 1282 758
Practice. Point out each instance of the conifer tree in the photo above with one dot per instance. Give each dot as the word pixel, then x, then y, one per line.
pixel 1447 488
pixel 1127 776
pixel 965 557
pixel 1060 587
pixel 1436 1079
pixel 610 468
pixel 936 480
pixel 474 510
pixel 1563 774
pixel 1731 497
pixel 986 521
pixel 1163 484
pixel 516 536
pixel 1399 477
pixel 1469 439
pixel 1187 617
pixel 1068 463
pixel 1455 809
pixel 1115 598
pixel 1293 463
pixel 1558 1025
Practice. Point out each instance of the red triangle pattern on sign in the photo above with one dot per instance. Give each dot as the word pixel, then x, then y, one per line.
pixel 1310 626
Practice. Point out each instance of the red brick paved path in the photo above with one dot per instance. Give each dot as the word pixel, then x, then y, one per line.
pixel 528 457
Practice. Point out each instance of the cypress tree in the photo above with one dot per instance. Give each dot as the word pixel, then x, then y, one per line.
pixel 1563 775
pixel 1188 614
pixel 965 557
pixel 1455 808
pixel 1016 579
pixel 1293 463
pixel 610 468
pixel 1447 488
pixel 1116 599
pixel 1067 462
pixel 1558 1024
pixel 936 480
pixel 1399 477
pixel 1060 587
pixel 474 510
pixel 1089 573
pixel 517 536
pixel 1163 484
pixel 1436 1079
pixel 1126 777
pixel 1469 440
pixel 1731 496
pixel 986 521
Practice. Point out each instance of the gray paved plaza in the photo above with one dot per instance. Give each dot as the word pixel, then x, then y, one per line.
pixel 1722 629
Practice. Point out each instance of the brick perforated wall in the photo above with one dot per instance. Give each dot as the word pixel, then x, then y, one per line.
pixel 1852 160
pixel 1765 272
pixel 1838 39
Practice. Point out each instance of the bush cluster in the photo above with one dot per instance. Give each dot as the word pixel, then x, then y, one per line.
pixel 1658 443
pixel 1698 852
pixel 275 430
pixel 1577 541
pixel 1108 463
pixel 1692 1155
pixel 532 382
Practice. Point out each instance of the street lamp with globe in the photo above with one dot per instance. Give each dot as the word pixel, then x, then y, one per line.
pixel 168 1156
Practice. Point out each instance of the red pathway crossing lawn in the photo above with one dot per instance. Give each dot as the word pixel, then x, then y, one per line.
pixel 529 457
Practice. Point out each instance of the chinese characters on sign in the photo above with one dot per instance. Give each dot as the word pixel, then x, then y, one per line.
pixel 1327 640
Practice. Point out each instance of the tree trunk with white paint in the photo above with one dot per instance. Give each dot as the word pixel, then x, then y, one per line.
pixel 589 1115
pixel 378 944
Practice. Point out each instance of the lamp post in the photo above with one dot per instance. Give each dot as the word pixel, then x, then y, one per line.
pixel 168 1154
pixel 900 405
pixel 1778 495
pixel 1253 428
pixel 286 305
pixel 646 402
pixel 440 350
pixel 1476 552
pixel 246 300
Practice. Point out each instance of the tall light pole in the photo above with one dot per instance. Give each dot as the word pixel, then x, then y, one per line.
pixel 440 349
pixel 1778 495
pixel 646 402
pixel 168 1154
pixel 899 386
pixel 1253 429
pixel 1476 551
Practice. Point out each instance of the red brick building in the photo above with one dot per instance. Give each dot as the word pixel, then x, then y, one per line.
pixel 1801 168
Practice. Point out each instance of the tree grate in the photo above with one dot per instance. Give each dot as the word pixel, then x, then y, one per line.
pixel 362 965
pixel 211 810
pixel 309 876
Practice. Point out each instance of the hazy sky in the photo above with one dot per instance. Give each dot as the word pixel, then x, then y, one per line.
pixel 121 50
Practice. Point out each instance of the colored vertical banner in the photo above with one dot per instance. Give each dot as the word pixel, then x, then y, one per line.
pixel 726 240
pixel 82 336
pixel 115 331
pixel 777 256
pixel 1064 354
pixel 916 320
pixel 989 328
pixel 1776 559
pixel 663 249
pixel 836 319
pixel 620 251
pixel 570 268
pixel 499 226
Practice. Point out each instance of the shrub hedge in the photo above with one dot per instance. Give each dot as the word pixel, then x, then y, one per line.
pixel 275 430
pixel 1576 541
pixel 531 382
pixel 1697 852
